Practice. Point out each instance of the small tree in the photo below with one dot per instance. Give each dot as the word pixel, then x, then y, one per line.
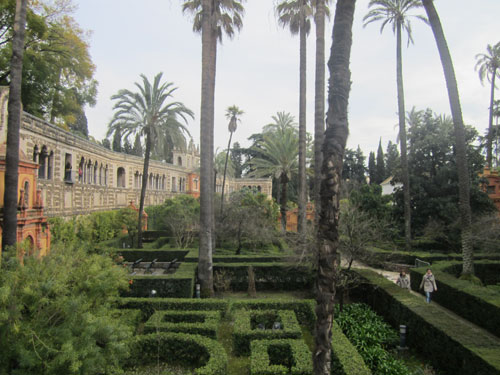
pixel 181 216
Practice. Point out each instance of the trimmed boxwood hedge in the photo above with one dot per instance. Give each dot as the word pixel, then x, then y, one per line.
pixel 132 317
pixel 475 303
pixel 304 309
pixel 180 348
pixel 268 276
pixel 203 323
pixel 148 255
pixel 487 271
pixel 280 357
pixel 243 333
pixel 149 305
pixel 345 358
pixel 451 345
pixel 177 285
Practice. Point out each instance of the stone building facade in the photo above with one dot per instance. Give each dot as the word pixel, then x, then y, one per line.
pixel 77 176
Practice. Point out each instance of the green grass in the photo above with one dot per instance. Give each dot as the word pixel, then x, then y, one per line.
pixel 235 365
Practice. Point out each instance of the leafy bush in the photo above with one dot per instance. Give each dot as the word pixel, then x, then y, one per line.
pixel 57 317
pixel 345 358
pixel 179 348
pixel 372 337
pixel 203 323
pixel 281 356
pixel 244 333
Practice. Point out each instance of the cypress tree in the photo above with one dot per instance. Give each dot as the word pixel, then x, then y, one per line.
pixel 380 175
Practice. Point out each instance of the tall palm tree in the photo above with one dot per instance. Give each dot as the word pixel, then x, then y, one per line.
pixel 149 113
pixel 333 155
pixel 232 114
pixel 321 12
pixel 488 65
pixel 212 18
pixel 460 144
pixel 281 121
pixel 9 234
pixel 397 13
pixel 296 14
pixel 277 157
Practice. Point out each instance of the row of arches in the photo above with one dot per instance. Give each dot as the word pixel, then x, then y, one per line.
pixel 155 181
pixel 45 160
pixel 91 172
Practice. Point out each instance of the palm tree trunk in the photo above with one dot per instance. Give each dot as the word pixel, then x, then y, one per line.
pixel 284 198
pixel 319 103
pixel 145 171
pixel 460 146
pixel 489 153
pixel 301 223
pixel 402 139
pixel 205 272
pixel 9 234
pixel 225 169
pixel 333 154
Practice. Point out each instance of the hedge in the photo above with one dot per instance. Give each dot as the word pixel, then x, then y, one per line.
pixel 304 309
pixel 177 285
pixel 148 255
pixel 451 345
pixel 268 276
pixel 203 323
pixel 475 303
pixel 180 348
pixel 487 271
pixel 131 317
pixel 149 305
pixel 345 358
pixel 280 357
pixel 244 333
pixel 192 256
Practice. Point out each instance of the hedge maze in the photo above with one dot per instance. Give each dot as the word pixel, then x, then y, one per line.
pixel 203 323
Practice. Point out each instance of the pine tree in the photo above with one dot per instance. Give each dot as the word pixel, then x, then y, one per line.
pixel 372 168
pixel 391 159
pixel 380 175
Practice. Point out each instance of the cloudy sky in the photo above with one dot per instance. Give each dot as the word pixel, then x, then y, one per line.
pixel 259 69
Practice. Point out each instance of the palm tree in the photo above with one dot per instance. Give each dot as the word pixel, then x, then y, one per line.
pixel 396 12
pixel 333 154
pixel 460 145
pixel 9 234
pixel 277 157
pixel 147 112
pixel 319 98
pixel 232 114
pixel 281 121
pixel 296 14
pixel 488 65
pixel 212 18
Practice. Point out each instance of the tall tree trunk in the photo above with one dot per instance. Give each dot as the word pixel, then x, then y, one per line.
pixel 301 222
pixel 333 154
pixel 402 138
pixel 284 198
pixel 225 170
pixel 460 145
pixel 319 103
pixel 145 171
pixel 205 270
pixel 489 145
pixel 9 234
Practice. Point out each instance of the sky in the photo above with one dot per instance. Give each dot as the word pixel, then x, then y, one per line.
pixel 258 70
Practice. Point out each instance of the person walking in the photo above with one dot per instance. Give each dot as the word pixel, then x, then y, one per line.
pixel 403 280
pixel 428 284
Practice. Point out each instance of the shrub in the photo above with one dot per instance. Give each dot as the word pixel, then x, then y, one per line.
pixel 281 356
pixel 245 328
pixel 475 303
pixel 451 345
pixel 203 323
pixel 56 314
pixel 149 305
pixel 372 337
pixel 345 358
pixel 181 348
pixel 304 309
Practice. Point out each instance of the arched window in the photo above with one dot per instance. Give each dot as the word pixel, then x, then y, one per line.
pixel 120 177
pixel 100 175
pixel 26 193
pixel 50 165
pixel 106 175
pixel 179 161
pixel 42 161
pixel 95 172
pixel 81 167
